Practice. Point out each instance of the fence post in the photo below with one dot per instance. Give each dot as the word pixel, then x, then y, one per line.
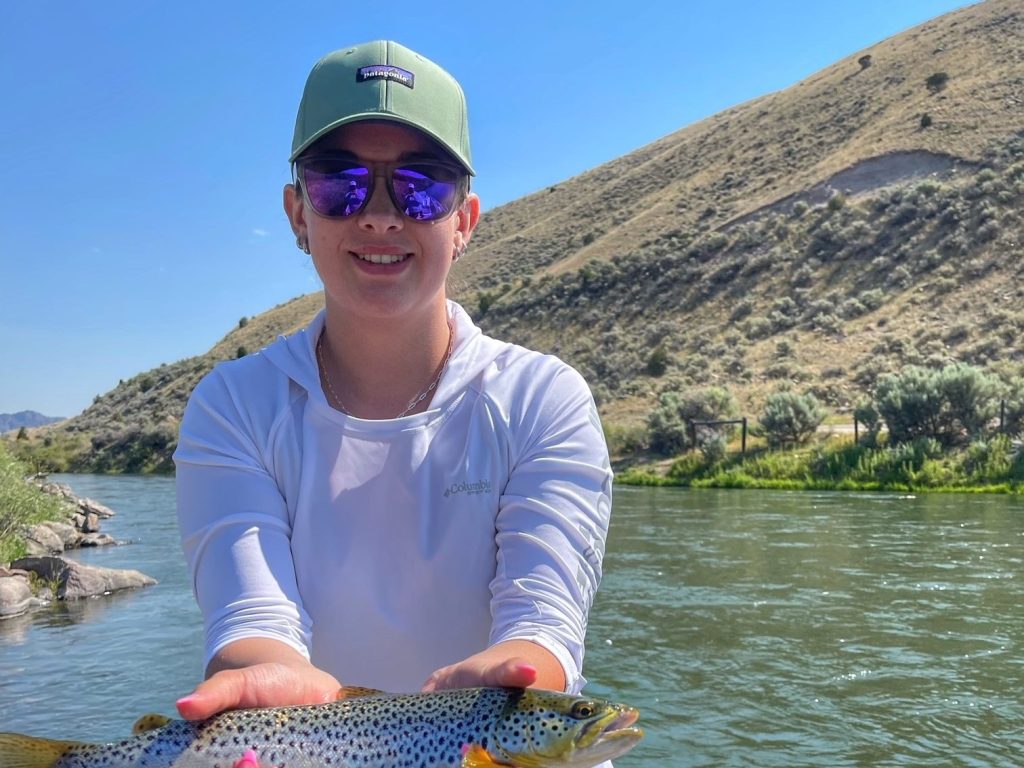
pixel 856 433
pixel 1002 416
pixel 743 441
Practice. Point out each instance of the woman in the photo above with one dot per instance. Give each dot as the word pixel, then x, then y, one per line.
pixel 388 498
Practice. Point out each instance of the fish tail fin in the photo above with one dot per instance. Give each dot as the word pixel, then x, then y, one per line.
pixel 17 751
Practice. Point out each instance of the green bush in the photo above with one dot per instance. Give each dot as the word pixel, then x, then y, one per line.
pixel 668 425
pixel 667 431
pixel 714 448
pixel 914 464
pixel 989 461
pixel 657 362
pixel 937 81
pixel 743 308
pixel 790 418
pixel 909 403
pixel 483 303
pixel 21 505
pixel 952 405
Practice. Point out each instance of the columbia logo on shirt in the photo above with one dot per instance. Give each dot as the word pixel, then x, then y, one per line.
pixel 471 489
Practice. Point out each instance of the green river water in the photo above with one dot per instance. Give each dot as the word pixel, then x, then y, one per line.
pixel 752 628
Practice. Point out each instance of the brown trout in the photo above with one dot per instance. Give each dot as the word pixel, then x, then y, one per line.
pixel 464 728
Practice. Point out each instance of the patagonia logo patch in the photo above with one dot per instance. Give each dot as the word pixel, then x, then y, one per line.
pixel 387 72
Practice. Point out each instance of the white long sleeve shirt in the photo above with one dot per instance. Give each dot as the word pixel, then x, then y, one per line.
pixel 384 550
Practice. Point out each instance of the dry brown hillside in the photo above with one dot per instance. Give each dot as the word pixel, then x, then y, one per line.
pixel 751 155
pixel 859 221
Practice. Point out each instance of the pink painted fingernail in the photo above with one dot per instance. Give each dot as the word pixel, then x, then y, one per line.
pixel 186 699
pixel 248 759
pixel 526 668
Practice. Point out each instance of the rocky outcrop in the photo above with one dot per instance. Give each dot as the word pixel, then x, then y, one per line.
pixel 71 580
pixel 44 576
pixel 52 538
pixel 81 529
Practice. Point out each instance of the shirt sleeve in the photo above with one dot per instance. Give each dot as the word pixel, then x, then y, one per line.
pixel 234 524
pixel 552 522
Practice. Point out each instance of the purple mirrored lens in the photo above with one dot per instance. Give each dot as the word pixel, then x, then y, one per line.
pixel 421 191
pixel 337 192
pixel 425 192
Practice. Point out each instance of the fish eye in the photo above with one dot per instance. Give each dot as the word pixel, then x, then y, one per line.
pixel 581 710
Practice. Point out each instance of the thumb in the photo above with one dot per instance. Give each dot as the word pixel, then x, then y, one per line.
pixel 223 690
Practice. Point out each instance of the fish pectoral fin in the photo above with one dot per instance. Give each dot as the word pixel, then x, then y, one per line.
pixel 354 691
pixel 475 756
pixel 17 751
pixel 150 722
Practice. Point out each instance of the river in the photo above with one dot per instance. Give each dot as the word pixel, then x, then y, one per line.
pixel 752 628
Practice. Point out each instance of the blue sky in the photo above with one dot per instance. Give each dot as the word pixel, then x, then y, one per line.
pixel 144 144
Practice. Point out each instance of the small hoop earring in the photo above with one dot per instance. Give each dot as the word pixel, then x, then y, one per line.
pixel 459 253
pixel 302 244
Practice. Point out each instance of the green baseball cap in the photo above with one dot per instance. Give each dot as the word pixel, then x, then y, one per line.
pixel 383 80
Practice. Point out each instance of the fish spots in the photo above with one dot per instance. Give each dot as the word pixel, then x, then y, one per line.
pixel 503 727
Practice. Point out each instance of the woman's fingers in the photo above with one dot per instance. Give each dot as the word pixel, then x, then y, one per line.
pixel 260 685
pixel 515 672
pixel 224 690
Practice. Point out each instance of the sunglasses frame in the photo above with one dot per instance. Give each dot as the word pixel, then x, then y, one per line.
pixel 381 169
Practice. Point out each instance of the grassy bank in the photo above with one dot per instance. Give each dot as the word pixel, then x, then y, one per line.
pixel 22 504
pixel 993 466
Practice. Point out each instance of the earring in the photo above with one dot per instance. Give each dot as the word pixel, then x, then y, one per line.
pixel 459 253
pixel 302 244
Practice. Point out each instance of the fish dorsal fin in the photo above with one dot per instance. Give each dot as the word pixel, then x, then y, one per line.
pixel 150 722
pixel 17 751
pixel 356 691
pixel 475 756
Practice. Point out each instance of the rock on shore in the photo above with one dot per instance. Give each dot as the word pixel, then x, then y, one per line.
pixel 73 580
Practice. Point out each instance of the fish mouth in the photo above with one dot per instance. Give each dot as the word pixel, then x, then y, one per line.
pixel 614 731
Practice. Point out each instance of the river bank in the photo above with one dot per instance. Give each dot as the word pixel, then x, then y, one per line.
pixel 993 466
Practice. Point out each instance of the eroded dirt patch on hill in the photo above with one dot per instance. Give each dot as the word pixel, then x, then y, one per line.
pixel 894 168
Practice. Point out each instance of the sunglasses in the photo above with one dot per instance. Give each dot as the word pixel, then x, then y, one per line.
pixel 339 186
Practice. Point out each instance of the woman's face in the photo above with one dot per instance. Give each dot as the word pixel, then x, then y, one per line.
pixel 379 264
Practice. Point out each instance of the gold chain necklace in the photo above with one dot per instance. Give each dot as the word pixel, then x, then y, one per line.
pixel 412 403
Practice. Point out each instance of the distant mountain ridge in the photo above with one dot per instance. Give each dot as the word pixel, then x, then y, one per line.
pixel 862 220
pixel 9 421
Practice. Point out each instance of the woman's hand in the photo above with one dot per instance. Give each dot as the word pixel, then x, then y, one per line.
pixel 513 664
pixel 258 673
pixel 262 685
